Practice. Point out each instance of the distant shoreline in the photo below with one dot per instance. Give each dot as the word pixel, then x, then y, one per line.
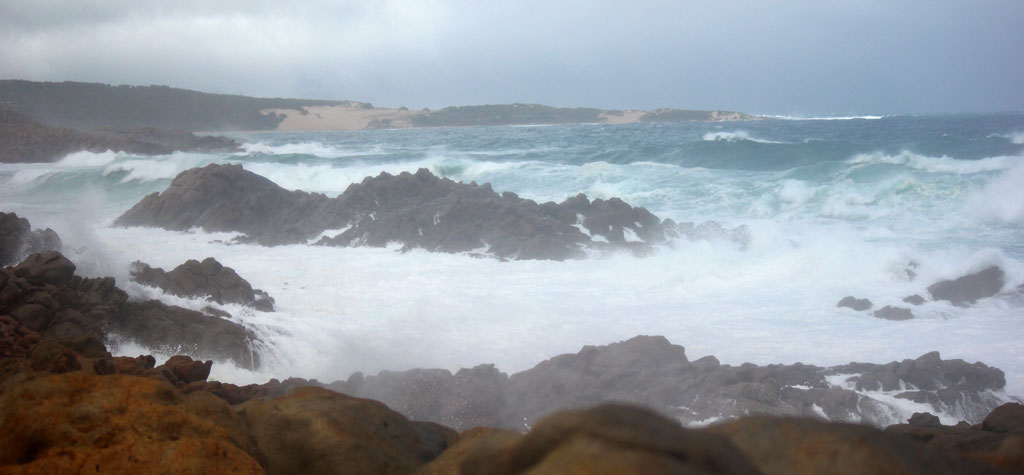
pixel 357 116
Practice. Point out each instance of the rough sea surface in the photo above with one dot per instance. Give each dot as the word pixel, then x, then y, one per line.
pixel 835 207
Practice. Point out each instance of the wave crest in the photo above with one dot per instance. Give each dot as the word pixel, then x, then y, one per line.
pixel 942 164
pixel 735 136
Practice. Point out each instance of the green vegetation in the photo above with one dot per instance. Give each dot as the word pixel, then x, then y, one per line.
pixel 89 106
pixel 505 114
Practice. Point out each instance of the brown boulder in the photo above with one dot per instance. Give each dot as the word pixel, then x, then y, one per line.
pixel 809 446
pixel 313 430
pixel 607 439
pixel 76 422
pixel 1006 418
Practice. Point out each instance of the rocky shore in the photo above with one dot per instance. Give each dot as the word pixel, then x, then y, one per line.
pixel 25 140
pixel 67 405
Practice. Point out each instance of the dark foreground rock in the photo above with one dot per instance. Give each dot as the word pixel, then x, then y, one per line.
pixel 653 372
pixel 969 288
pixel 24 140
pixel 44 294
pixel 18 239
pixel 208 278
pixel 67 406
pixel 420 211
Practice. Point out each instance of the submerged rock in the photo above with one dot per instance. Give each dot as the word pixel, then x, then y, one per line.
pixel 417 210
pixel 914 299
pixel 969 288
pixel 207 278
pixel 890 312
pixel 855 303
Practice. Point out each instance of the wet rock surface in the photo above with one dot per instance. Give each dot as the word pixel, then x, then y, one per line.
pixel 890 312
pixel 44 295
pixel 207 278
pixel 650 371
pixel 855 303
pixel 418 210
pixel 18 239
pixel 970 288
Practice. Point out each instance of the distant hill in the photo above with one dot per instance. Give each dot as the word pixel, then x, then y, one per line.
pixel 91 106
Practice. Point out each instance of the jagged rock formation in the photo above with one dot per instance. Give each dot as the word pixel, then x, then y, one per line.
pixel 207 278
pixel 655 373
pixel 855 303
pixel 418 210
pixel 18 239
pixel 44 294
pixel 24 140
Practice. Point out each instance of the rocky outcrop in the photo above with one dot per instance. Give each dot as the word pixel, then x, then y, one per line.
pixel 652 372
pixel 419 211
pixel 208 278
pixel 18 239
pixel 24 140
pixel 969 288
pixel 44 295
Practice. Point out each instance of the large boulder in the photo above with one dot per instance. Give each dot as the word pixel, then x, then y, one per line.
pixel 74 422
pixel 605 439
pixel 313 430
pixel 18 239
pixel 208 278
pixel 969 288
pixel 807 446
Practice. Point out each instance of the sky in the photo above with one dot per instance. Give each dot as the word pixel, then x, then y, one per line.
pixel 796 57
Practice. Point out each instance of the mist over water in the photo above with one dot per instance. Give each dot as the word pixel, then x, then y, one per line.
pixel 834 207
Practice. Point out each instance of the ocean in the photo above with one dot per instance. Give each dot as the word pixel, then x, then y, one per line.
pixel 834 206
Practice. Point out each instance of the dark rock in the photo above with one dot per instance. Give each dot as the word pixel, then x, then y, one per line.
pixel 857 304
pixel 419 210
pixel 43 294
pixel 1006 418
pixel 207 278
pixel 889 312
pixel 184 369
pixel 969 288
pixel 654 373
pixel 17 239
pixel 914 299
pixel 924 419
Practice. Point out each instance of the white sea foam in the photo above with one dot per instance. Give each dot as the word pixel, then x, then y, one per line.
pixel 1002 199
pixel 89 159
pixel 937 164
pixel 841 117
pixel 316 149
pixel 735 136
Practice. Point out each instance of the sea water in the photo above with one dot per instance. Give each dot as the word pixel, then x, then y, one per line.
pixel 835 207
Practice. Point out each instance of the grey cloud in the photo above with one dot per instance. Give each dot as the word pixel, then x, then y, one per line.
pixel 867 56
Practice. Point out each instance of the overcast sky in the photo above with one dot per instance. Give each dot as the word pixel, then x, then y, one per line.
pixel 809 57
